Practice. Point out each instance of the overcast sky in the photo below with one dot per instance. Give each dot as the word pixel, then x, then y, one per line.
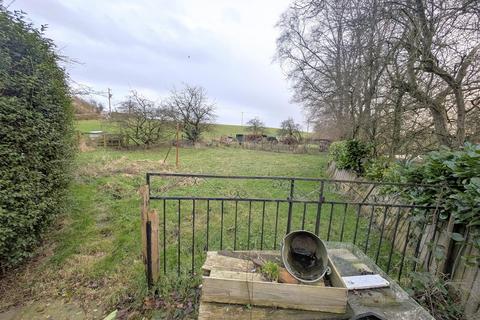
pixel 226 46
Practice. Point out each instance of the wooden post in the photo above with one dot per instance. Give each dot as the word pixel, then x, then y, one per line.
pixel 104 140
pixel 176 145
pixel 149 231
pixel 155 259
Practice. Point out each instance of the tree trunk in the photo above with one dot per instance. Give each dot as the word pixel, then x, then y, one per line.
pixel 397 125
pixel 440 122
pixel 459 100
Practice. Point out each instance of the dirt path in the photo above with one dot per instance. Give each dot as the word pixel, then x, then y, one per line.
pixel 49 309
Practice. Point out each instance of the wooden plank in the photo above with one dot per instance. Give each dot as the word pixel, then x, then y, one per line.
pixel 153 217
pixel 211 310
pixel 272 294
pixel 220 262
pixel 473 301
pixel 236 275
pixel 335 276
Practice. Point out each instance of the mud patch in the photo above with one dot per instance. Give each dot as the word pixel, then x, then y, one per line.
pixel 117 190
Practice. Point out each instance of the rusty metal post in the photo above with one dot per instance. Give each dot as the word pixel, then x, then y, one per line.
pixel 290 206
pixel 149 254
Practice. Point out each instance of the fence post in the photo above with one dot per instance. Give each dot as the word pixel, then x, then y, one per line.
pixel 290 206
pixel 104 140
pixel 148 232
pixel 149 227
pixel 153 245
pixel 319 208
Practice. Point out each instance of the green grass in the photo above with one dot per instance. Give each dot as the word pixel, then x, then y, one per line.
pixel 100 240
pixel 95 125
pixel 218 130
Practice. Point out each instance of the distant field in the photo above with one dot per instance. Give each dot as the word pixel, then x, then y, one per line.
pixel 95 125
pixel 218 130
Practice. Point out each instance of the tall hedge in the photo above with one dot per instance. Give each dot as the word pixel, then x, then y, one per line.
pixel 36 126
pixel 350 154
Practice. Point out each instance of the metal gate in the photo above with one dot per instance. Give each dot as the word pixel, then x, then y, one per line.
pixel 185 215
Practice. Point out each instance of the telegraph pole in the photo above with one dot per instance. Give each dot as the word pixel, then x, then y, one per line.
pixel 176 145
pixel 109 101
pixel 242 118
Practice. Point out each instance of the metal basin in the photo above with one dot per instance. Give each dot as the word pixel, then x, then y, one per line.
pixel 305 256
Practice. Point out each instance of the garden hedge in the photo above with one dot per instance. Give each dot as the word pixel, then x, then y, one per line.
pixel 36 129
pixel 349 154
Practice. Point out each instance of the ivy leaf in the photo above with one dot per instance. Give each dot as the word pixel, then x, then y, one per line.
pixel 470 260
pixel 457 237
pixel 439 253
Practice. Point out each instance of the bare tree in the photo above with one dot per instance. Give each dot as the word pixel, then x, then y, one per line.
pixel 386 71
pixel 290 131
pixel 441 41
pixel 99 107
pixel 256 126
pixel 191 108
pixel 142 121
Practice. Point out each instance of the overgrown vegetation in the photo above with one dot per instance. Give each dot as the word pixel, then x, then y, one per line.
pixel 455 190
pixel 437 295
pixel 35 136
pixel 350 155
pixel 93 259
pixel 449 181
pixel 270 270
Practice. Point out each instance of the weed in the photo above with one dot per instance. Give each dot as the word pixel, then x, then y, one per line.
pixel 270 270
pixel 437 295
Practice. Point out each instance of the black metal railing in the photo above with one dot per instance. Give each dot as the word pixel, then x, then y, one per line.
pixel 200 212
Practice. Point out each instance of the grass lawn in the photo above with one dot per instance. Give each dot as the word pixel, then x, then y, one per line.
pixel 218 130
pixel 91 260
pixel 95 125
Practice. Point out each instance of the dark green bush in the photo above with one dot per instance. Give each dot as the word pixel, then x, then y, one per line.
pixel 35 137
pixel 455 179
pixel 377 169
pixel 350 154
pixel 449 180
pixel 454 176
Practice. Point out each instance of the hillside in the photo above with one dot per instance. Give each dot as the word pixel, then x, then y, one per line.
pixel 218 131
pixel 86 110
